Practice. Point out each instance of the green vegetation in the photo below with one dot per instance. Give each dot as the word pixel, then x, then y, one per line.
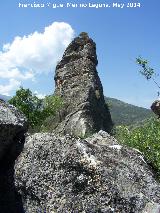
pixel 145 136
pixel 36 110
pixel 127 114
pixel 146 139
pixel 146 71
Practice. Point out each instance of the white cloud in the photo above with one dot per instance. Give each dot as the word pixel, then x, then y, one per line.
pixel 16 73
pixel 36 53
pixel 39 95
pixel 12 85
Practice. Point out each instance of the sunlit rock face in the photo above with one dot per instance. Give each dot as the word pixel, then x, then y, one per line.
pixel 79 85
pixel 13 126
pixel 67 174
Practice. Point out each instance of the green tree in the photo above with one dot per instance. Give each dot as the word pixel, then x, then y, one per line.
pixel 29 104
pixel 51 104
pixel 36 110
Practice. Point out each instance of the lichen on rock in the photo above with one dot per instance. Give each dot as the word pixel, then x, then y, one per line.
pixel 67 174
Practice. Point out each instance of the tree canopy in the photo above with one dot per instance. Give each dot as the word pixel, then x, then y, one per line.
pixel 36 110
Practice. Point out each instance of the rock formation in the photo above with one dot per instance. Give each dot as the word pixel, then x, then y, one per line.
pixel 13 125
pixel 155 107
pixel 67 174
pixel 79 85
pixel 63 173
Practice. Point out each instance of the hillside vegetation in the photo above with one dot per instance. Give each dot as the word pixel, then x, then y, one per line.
pixel 138 128
pixel 146 139
pixel 122 113
pixel 5 97
pixel 127 114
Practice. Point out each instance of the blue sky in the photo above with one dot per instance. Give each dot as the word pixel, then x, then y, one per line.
pixel 120 34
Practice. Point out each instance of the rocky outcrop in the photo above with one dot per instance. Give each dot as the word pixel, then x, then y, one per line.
pixel 13 125
pixel 77 82
pixel 155 107
pixel 62 173
pixel 68 174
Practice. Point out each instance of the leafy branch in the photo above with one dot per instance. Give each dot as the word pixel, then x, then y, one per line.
pixel 147 71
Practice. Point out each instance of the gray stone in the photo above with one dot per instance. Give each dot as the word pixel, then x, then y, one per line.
pixel 155 107
pixel 13 126
pixel 68 174
pixel 60 172
pixel 152 208
pixel 77 82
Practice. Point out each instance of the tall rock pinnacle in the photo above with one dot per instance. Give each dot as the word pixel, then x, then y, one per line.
pixel 79 85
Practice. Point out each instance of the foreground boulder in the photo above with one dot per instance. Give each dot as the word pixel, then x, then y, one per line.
pixel 67 174
pixel 13 126
pixel 78 84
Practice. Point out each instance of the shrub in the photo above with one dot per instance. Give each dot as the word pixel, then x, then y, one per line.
pixel 146 139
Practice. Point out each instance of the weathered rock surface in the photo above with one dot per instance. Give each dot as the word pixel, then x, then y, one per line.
pixel 72 175
pixel 155 107
pixel 79 85
pixel 62 173
pixel 13 125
